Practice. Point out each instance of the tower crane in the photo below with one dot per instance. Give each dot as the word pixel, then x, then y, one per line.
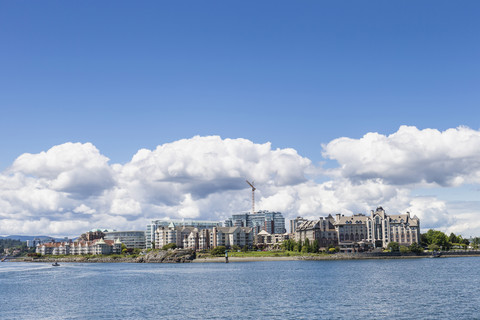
pixel 253 195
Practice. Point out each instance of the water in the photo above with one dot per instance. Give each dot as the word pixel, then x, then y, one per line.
pixel 365 289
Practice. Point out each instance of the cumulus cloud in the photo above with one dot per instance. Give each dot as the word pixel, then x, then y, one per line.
pixel 77 169
pixel 72 187
pixel 182 179
pixel 410 156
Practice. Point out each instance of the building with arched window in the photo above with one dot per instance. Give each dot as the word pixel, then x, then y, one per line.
pixel 378 229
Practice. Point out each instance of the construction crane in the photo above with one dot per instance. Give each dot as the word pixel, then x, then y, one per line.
pixel 253 195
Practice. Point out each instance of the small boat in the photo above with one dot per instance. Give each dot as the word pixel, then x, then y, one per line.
pixel 55 264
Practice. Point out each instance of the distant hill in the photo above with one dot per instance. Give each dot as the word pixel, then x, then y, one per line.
pixel 25 238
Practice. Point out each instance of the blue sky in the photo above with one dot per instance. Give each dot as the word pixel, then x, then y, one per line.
pixel 130 75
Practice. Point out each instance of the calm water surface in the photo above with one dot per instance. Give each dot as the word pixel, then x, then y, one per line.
pixel 367 289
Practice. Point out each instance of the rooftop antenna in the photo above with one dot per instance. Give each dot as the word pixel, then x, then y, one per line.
pixel 253 195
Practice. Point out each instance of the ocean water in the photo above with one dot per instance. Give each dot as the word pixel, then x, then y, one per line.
pixel 445 288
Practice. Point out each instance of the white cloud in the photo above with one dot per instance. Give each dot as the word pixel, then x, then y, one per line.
pixel 74 168
pixel 72 188
pixel 410 156
pixel 84 209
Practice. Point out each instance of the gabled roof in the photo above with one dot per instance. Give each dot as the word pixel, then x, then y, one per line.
pixel 352 220
pixel 263 233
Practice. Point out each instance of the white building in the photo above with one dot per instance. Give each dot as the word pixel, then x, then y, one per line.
pixel 150 235
pixel 98 246
pixel 231 236
pixel 131 239
pixel 378 229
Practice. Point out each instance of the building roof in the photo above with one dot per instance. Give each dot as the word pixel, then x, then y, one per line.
pixel 404 218
pixel 355 219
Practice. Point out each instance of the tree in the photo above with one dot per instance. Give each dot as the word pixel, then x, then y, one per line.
pixel 298 246
pixel 453 238
pixel 438 238
pixel 416 248
pixel 433 247
pixel 404 249
pixel 475 242
pixel 315 246
pixel 393 246
pixel 218 251
pixel 424 240
pixel 169 246
pixel 306 246
pixel 289 245
pixel 124 249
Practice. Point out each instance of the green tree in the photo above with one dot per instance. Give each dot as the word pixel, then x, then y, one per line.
pixel 393 246
pixel 218 251
pixel 475 242
pixel 306 246
pixel 453 238
pixel 315 246
pixel 124 249
pixel 438 238
pixel 298 246
pixel 416 248
pixel 289 245
pixel 424 240
pixel 404 249
pixel 172 245
pixel 433 247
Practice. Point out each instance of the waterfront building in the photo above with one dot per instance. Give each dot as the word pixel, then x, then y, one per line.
pixel 360 232
pixel 172 234
pixel 323 230
pixel 271 222
pixel 231 236
pixel 378 229
pixel 97 246
pixel 269 239
pixel 399 228
pixel 150 234
pixel 131 239
pixel 93 234
pixel 295 223
pixel 197 239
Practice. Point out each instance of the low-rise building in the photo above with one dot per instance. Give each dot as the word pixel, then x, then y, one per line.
pixel 97 246
pixel 131 239
pixel 322 230
pixel 271 222
pixel 150 234
pixel 379 229
pixel 231 236
pixel 172 234
pixel 270 240
pixel 360 232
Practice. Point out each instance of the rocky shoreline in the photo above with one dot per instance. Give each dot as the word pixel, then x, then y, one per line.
pixel 188 256
pixel 160 256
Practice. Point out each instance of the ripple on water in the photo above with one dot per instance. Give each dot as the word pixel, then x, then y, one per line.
pixel 367 289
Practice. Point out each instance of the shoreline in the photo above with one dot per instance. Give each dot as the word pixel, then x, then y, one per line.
pixel 333 257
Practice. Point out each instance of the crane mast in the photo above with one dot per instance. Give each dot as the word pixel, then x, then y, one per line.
pixel 253 195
